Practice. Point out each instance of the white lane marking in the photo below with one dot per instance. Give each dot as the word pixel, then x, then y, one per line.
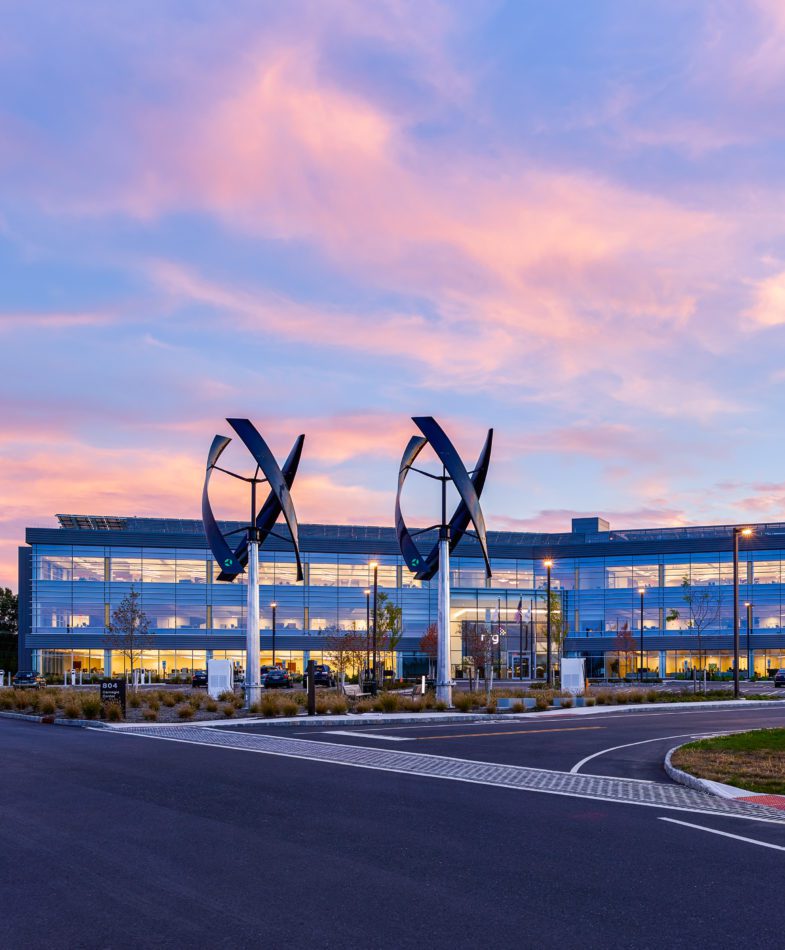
pixel 578 765
pixel 365 735
pixel 725 834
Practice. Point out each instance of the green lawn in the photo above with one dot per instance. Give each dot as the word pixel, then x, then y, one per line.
pixel 753 760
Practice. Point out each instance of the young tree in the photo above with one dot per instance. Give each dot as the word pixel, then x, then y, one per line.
pixel 624 645
pixel 346 651
pixel 390 630
pixel 429 645
pixel 127 632
pixel 704 606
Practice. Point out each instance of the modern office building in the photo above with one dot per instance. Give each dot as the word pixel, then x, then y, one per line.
pixel 674 583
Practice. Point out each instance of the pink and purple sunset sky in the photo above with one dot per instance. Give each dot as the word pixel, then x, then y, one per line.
pixel 565 220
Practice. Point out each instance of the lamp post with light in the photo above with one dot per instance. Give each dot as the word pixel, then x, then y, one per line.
pixel 641 591
pixel 375 566
pixel 273 605
pixel 367 593
pixel 548 672
pixel 737 533
pixel 748 606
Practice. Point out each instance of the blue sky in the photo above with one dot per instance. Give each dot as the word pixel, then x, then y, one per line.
pixel 561 220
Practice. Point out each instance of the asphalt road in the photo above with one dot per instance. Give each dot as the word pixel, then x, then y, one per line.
pixel 110 840
pixel 555 742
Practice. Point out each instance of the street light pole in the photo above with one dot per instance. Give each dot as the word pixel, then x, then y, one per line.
pixel 548 671
pixel 641 591
pixel 367 593
pixel 737 532
pixel 273 605
pixel 375 566
pixel 748 605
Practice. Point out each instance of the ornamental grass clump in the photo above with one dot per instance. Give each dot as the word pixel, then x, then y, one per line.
pixel 541 702
pixel 73 710
pixel 113 712
pixel 47 706
pixel 169 700
pixel 440 705
pixel 91 707
pixel 462 702
pixel 289 707
pixel 185 711
pixel 228 710
pixel 135 701
pixel 211 705
pixel 150 715
pixel 387 702
pixel 517 707
pixel 364 706
pixel 269 706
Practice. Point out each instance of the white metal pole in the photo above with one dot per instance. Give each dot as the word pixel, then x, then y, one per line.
pixel 253 687
pixel 443 678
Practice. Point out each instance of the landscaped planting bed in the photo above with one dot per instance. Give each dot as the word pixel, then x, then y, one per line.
pixel 753 760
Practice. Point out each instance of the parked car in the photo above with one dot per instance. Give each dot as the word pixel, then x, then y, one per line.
pixel 28 678
pixel 323 675
pixel 199 678
pixel 779 678
pixel 276 677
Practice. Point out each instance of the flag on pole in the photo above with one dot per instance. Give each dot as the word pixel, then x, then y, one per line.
pixel 519 611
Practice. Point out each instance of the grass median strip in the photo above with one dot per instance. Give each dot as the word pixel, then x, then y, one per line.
pixel 754 760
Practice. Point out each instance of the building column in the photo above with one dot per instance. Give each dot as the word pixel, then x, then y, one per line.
pixel 663 663
pixel 107 662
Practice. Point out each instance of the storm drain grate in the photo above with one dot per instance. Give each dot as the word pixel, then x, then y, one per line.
pixel 653 794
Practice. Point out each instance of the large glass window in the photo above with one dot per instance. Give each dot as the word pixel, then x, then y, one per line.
pixel 191 572
pixel 127 569
pixel 54 567
pixel 324 574
pixel 675 574
pixel 159 570
pixel 88 569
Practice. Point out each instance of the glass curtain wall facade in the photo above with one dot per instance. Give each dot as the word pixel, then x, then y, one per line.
pixel 73 578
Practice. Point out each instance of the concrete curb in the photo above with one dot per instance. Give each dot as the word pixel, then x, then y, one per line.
pixel 57 721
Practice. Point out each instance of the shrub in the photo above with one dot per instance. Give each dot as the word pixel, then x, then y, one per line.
pixel 113 712
pixel 364 706
pixel 590 701
pixel 227 696
pixel 339 706
pixel 6 701
pixel 195 699
pixel 491 707
pixel 440 705
pixel 462 702
pixel 388 702
pixel 622 697
pixel 150 715
pixel 21 701
pixel 651 695
pixel 604 697
pixel 154 704
pixel 179 696
pixel 228 710
pixel 289 707
pixel 91 707
pixel 186 711
pixel 48 706
pixel 637 696
pixel 134 702
pixel 73 710
pixel 211 705
pixel 268 707
pixel 541 702
pixel 517 707
pixel 566 702
pixel 169 700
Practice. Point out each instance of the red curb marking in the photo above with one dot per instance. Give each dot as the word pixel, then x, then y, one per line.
pixel 771 801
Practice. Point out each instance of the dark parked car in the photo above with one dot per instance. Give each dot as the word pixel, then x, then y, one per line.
pixel 779 678
pixel 323 675
pixel 28 678
pixel 276 678
pixel 199 678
